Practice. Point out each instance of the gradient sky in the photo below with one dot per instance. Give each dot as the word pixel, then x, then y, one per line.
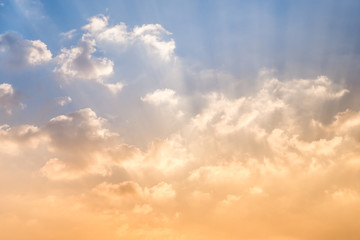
pixel 179 120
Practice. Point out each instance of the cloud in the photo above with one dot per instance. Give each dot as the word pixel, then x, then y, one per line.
pixel 56 169
pixel 78 63
pixel 283 158
pixel 160 192
pixel 165 98
pixel 345 124
pixel 18 52
pixel 164 157
pixel 221 174
pixel 69 35
pixel 62 101
pixel 288 150
pixel 96 24
pixel 149 36
pixel 146 44
pixel 120 190
pixel 345 196
pixel 114 87
pixel 161 97
pixel 9 98
pixel 15 140
pixel 292 103
pixel 237 160
pixel 77 140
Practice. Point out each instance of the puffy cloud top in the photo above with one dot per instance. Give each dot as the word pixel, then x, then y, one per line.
pixel 8 97
pixel 162 96
pixel 77 62
pixel 19 52
pixel 150 36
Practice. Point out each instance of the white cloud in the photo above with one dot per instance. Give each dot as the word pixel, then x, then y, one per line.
pixel 345 124
pixel 96 24
pixel 9 98
pixel 164 157
pixel 276 103
pixel 69 35
pixel 62 101
pixel 114 87
pixel 38 53
pixel 78 63
pixel 162 96
pixel 19 52
pixel 149 36
pixel 165 98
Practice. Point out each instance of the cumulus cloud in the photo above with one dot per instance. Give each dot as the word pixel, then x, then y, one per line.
pixel 278 159
pixel 293 103
pixel 77 140
pixel 9 98
pixel 238 160
pixel 287 133
pixel 82 62
pixel 162 96
pixel 164 157
pixel 165 98
pixel 15 139
pixel 18 52
pixel 78 63
pixel 150 36
pixel 114 87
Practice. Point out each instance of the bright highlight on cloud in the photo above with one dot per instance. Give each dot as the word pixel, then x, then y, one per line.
pixel 169 149
pixel 9 98
pixel 148 36
pixel 62 101
pixel 18 52
pixel 162 96
pixel 78 63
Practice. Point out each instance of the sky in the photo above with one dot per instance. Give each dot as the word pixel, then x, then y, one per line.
pixel 179 120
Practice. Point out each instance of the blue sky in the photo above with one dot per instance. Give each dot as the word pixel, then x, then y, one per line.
pixel 298 39
pixel 272 30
